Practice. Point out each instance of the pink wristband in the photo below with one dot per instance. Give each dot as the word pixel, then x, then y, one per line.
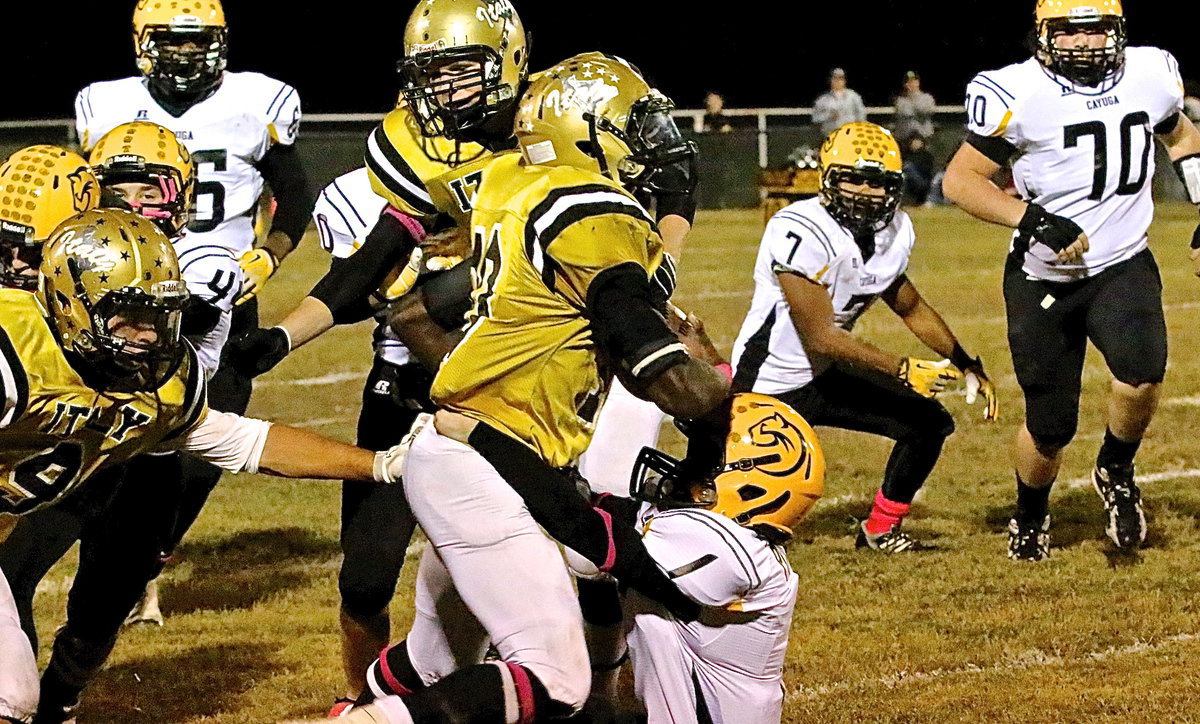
pixel 414 227
pixel 726 369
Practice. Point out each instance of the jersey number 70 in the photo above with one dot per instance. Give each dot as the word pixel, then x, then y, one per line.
pixel 1128 185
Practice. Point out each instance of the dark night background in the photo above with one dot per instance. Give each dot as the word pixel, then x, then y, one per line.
pixel 341 55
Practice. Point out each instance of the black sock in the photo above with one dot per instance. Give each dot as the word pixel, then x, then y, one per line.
pixel 1032 503
pixel 1115 451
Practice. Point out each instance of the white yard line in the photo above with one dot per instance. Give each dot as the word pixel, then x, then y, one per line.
pixel 1086 481
pixel 1193 401
pixel 1032 659
pixel 332 378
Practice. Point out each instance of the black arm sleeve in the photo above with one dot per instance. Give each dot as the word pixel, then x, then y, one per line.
pixel 622 309
pixel 556 504
pixel 1168 124
pixel 352 280
pixel 683 205
pixel 998 150
pixel 294 196
pixel 199 317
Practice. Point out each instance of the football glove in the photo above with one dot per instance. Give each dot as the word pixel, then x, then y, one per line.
pixel 926 377
pixel 405 279
pixel 389 464
pixel 1042 227
pixel 256 351
pixel 257 267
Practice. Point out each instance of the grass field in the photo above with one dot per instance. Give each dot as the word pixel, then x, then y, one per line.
pixel 955 634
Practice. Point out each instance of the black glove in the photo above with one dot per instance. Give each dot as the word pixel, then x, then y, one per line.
pixel 257 351
pixel 1042 227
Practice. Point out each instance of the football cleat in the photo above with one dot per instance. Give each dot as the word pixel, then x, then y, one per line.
pixel 147 610
pixel 1123 503
pixel 1028 542
pixel 342 706
pixel 892 541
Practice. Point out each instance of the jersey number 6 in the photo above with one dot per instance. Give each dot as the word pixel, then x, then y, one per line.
pixel 211 189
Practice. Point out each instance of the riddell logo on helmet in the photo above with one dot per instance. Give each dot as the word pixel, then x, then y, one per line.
pixel 11 228
pixel 127 158
pixel 186 22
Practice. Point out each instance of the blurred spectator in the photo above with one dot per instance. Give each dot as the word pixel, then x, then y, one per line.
pixel 919 169
pixel 839 106
pixel 1191 100
pixel 715 120
pixel 914 110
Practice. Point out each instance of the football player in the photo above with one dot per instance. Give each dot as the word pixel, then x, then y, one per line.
pixel 241 129
pixel 1076 123
pixel 425 159
pixel 565 257
pixel 722 540
pixel 822 263
pixel 95 372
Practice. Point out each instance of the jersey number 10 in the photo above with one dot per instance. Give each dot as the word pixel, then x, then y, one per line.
pixel 1128 186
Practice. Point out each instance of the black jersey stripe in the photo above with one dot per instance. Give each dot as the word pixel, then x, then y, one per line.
pixel 282 87
pixel 14 384
pixel 996 90
pixel 283 104
pixel 754 356
pixel 386 162
pixel 740 554
pixel 338 209
pixel 349 203
pixel 195 394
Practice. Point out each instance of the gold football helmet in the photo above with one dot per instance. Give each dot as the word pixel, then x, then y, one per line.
pixel 181 45
pixel 147 153
pixel 772 472
pixel 40 187
pixel 1085 66
pixel 858 154
pixel 111 290
pixel 595 112
pixel 464 62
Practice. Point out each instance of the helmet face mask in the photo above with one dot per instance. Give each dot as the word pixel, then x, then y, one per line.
pixel 134 341
pixel 1090 63
pixel 858 210
pixel 660 160
pixel 20 258
pixel 184 63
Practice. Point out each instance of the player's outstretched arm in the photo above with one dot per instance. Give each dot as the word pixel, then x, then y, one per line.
pixel 243 444
pixel 812 314
pixel 1182 141
pixel 929 327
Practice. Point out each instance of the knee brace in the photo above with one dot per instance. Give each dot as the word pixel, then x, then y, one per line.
pixel 393 674
pixel 499 691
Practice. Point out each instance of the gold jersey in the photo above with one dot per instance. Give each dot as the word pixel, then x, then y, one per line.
pixel 420 176
pixel 55 431
pixel 527 365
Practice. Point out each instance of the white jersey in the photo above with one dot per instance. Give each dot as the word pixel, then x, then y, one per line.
pixel 227 133
pixel 213 274
pixel 734 659
pixel 768 355
pixel 346 211
pixel 1083 153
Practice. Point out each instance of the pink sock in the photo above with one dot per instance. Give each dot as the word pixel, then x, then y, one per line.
pixel 885 514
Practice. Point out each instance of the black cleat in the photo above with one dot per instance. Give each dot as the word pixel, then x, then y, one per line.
pixel 892 541
pixel 1123 503
pixel 1028 542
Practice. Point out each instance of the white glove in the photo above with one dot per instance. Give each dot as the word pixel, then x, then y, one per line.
pixel 389 464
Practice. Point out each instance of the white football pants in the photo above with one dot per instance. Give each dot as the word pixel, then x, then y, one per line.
pixel 18 667
pixel 490 575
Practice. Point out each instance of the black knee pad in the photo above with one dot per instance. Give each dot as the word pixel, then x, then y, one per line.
pixel 363 598
pixel 482 693
pixel 392 674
